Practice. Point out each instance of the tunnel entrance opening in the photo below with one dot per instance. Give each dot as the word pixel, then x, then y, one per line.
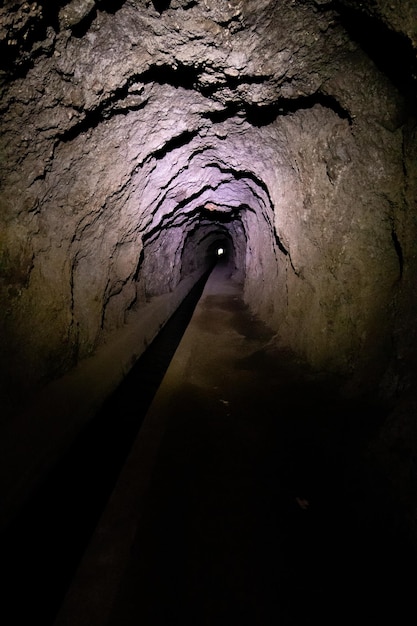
pixel 203 242
pixel 222 252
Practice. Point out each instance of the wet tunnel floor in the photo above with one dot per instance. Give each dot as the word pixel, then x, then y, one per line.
pixel 260 507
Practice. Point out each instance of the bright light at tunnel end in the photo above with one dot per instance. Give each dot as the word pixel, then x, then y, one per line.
pixel 220 251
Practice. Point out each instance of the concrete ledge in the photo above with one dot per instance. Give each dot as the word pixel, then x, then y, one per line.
pixel 90 598
pixel 38 436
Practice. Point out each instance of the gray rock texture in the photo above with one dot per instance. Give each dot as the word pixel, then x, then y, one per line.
pixel 137 134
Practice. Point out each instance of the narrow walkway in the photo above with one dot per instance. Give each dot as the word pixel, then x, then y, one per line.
pixel 244 500
pixel 56 524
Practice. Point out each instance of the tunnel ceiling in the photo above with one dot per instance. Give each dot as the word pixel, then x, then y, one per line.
pixel 136 132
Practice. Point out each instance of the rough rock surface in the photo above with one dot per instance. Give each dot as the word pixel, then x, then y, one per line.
pixel 137 134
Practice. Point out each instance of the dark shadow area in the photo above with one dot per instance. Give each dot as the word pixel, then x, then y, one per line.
pixel 264 115
pixel 176 142
pixel 180 76
pixel 263 509
pixel 50 11
pixel 81 28
pixel 23 45
pixel 161 5
pixel 391 52
pixel 398 250
pixel 110 6
pixel 43 547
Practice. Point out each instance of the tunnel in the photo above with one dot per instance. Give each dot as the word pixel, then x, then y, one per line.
pixel 148 147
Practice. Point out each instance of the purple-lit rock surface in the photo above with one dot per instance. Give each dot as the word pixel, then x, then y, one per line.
pixel 136 134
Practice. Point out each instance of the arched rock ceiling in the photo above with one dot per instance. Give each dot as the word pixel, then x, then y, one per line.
pixel 184 68
pixel 135 125
pixel 99 60
pixel 136 134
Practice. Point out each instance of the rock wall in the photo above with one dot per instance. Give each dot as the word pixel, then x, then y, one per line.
pixel 136 134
